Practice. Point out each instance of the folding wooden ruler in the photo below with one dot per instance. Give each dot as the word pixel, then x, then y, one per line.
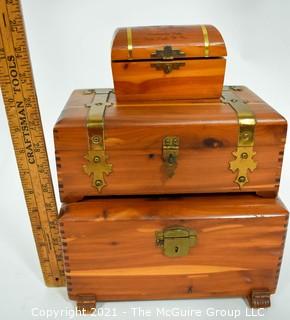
pixel 22 110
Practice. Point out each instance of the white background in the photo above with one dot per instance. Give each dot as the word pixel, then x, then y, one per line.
pixel 70 48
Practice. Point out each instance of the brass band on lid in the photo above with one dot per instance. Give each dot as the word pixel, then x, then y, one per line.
pixel 206 40
pixel 130 44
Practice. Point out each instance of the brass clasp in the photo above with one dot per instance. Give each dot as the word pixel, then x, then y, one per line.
pixel 176 241
pixel 167 53
pixel 170 154
pixel 167 67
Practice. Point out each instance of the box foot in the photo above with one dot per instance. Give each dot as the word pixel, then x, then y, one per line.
pixel 259 299
pixel 86 303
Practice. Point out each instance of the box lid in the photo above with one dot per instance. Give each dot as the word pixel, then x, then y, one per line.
pixel 185 207
pixel 142 126
pixel 167 42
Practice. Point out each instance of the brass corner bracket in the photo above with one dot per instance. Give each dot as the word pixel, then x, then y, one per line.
pixel 96 156
pixel 244 154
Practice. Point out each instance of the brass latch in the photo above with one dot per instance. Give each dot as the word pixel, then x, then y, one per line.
pixel 170 154
pixel 176 241
pixel 167 67
pixel 97 164
pixel 167 53
pixel 247 122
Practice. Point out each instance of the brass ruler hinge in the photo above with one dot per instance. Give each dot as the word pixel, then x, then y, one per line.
pixel 96 156
pixel 245 148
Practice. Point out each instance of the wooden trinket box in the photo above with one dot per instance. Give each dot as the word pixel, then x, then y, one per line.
pixel 168 182
pixel 168 63
pixel 177 147
pixel 175 247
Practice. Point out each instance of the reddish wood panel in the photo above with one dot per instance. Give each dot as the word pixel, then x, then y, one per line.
pixel 110 251
pixel 194 79
pixel 208 133
pixel 197 73
pixel 188 39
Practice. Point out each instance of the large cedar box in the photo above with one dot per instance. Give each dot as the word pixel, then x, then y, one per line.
pixel 104 148
pixel 175 247
pixel 168 62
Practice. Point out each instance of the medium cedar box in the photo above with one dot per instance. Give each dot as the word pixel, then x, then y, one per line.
pixel 168 63
pixel 176 247
pixel 108 148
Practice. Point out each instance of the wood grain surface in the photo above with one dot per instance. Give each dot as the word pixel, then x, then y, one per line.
pixel 208 133
pixel 110 251
pixel 195 79
pixel 188 39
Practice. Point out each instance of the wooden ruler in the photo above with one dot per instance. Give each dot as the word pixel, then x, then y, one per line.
pixel 22 110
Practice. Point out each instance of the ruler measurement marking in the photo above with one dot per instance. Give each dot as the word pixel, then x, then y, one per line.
pixel 30 193
pixel 4 19
pixel 29 147
pixel 37 199
pixel 14 107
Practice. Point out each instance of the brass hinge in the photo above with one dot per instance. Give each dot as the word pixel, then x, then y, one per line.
pixel 247 122
pixel 96 156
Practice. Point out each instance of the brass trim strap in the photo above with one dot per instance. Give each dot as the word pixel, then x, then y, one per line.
pixel 97 165
pixel 246 117
pixel 130 43
pixel 244 153
pixel 206 40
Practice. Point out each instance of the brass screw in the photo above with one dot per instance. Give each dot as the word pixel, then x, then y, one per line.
pixel 167 141
pixel 246 136
pixel 99 183
pixel 244 155
pixel 171 159
pixel 89 91
pixel 97 159
pixel 242 179
pixel 236 88
pixel 96 139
